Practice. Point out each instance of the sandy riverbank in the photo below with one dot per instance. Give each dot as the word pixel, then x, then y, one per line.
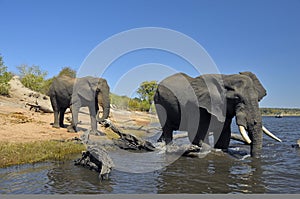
pixel 19 124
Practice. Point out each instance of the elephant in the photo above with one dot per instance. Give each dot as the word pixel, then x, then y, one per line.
pixel 87 91
pixel 207 105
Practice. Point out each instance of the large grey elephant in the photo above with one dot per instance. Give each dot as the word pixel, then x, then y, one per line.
pixel 207 104
pixel 88 91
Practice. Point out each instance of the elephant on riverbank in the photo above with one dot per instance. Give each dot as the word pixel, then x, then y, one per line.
pixel 207 104
pixel 88 91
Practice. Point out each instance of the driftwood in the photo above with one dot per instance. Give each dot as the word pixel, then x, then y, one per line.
pixel 128 141
pixel 141 128
pixel 97 159
pixel 38 108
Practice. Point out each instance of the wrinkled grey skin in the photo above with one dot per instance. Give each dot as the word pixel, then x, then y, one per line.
pixel 208 103
pixel 68 92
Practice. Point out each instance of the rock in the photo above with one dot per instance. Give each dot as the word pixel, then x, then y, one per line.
pixel 35 100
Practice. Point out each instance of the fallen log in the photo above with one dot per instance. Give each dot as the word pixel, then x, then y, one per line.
pixel 128 141
pixel 38 108
pixel 97 159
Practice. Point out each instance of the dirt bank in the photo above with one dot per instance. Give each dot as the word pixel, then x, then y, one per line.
pixel 20 124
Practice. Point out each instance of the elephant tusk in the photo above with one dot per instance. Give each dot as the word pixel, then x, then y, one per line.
pixel 266 131
pixel 244 134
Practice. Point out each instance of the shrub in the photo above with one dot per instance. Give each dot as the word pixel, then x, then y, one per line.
pixel 134 104
pixel 33 78
pixel 145 105
pixel 4 78
pixel 67 71
pixel 4 86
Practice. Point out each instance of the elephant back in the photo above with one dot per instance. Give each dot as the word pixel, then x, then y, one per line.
pixel 62 89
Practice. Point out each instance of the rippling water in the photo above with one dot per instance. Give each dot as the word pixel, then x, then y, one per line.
pixel 277 171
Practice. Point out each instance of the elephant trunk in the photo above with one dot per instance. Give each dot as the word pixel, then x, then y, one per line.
pixel 256 144
pixel 104 102
pixel 255 130
pixel 249 119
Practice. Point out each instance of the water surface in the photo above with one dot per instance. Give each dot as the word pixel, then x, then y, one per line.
pixel 277 171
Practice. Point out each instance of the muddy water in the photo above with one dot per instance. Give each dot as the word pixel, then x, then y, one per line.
pixel 277 171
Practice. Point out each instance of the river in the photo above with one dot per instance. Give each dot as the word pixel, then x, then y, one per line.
pixel 278 171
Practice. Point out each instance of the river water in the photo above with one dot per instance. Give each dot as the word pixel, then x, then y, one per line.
pixel 278 171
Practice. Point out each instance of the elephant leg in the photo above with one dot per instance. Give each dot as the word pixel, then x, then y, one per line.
pixel 56 123
pixel 72 127
pixel 167 134
pixel 56 111
pixel 93 120
pixel 61 117
pixel 224 139
pixel 196 136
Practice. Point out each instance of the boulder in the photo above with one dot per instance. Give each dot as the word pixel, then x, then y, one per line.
pixel 36 101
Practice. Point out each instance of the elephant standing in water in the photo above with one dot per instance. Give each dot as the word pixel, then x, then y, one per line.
pixel 207 104
pixel 68 92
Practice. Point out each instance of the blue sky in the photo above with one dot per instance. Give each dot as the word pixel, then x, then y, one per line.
pixel 260 36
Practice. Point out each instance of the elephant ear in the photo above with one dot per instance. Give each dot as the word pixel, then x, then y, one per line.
pixel 102 85
pixel 211 94
pixel 86 87
pixel 258 86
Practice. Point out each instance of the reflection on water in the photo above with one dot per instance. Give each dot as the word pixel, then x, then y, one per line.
pixel 277 171
pixel 213 174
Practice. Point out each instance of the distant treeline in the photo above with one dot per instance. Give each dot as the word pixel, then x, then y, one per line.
pixel 278 111
pixel 132 104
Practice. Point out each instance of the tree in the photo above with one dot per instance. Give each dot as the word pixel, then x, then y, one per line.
pixel 147 90
pixel 2 67
pixel 4 78
pixel 67 71
pixel 33 77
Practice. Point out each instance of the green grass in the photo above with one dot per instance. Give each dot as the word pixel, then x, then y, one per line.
pixel 38 151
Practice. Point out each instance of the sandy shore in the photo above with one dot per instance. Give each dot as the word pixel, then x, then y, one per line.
pixel 19 124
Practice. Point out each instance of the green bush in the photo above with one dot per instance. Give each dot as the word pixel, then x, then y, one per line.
pixel 33 78
pixel 67 71
pixel 4 86
pixel 144 106
pixel 134 104
pixel 46 85
pixel 4 78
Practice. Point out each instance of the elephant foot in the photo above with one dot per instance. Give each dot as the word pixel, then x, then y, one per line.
pixel 193 148
pixel 71 129
pixel 163 139
pixel 63 126
pixel 56 126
